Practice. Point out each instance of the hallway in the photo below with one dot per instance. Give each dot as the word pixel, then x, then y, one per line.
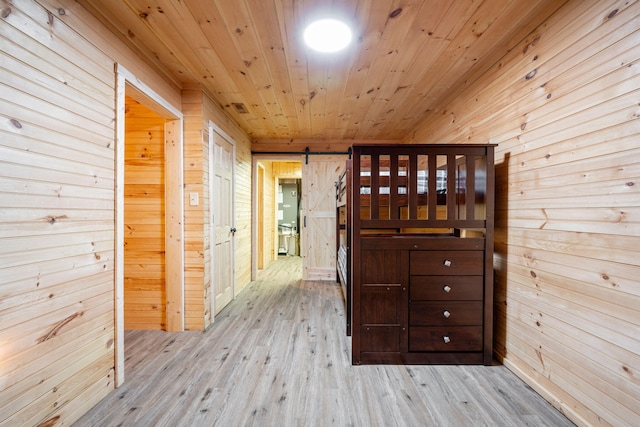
pixel 278 356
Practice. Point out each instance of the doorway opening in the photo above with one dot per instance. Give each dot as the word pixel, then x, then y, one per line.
pixel 317 225
pixel 145 291
pixel 149 234
pixel 278 224
pixel 288 215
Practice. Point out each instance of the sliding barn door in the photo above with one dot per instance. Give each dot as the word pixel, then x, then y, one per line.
pixel 319 215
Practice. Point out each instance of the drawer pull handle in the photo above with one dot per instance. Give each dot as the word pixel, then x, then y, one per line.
pixel 447 288
pixel 447 263
pixel 446 339
pixel 446 313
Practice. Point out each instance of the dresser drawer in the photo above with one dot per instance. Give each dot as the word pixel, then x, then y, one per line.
pixel 445 313
pixel 446 288
pixel 439 263
pixel 443 338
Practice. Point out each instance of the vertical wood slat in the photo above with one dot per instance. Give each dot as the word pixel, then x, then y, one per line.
pixel 470 194
pixel 375 186
pixel 174 228
pixel 349 242
pixel 412 176
pixel 356 197
pixel 432 193
pixel 119 324
pixel 354 246
pixel 394 210
pixel 489 248
pixel 451 186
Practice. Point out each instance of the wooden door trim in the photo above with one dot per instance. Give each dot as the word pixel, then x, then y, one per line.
pixel 174 225
pixel 127 83
pixel 259 217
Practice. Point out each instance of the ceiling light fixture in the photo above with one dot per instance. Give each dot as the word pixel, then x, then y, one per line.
pixel 327 35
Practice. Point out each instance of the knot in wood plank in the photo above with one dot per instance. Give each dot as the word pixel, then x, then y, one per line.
pixel 54 331
pixel 395 13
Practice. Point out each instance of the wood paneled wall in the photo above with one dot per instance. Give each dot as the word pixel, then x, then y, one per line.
pixel 57 224
pixel 197 282
pixel 57 128
pixel 144 219
pixel 56 219
pixel 563 107
pixel 199 109
pixel 286 170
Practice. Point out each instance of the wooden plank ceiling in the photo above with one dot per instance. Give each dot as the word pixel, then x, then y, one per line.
pixel 408 56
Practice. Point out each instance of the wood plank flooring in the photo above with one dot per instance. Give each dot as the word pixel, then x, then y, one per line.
pixel 278 356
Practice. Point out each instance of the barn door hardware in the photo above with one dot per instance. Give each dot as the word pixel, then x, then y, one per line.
pixel 306 153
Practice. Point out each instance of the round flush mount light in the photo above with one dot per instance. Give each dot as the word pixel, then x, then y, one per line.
pixel 327 35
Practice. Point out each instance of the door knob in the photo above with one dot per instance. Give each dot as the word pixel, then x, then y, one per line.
pixel 233 229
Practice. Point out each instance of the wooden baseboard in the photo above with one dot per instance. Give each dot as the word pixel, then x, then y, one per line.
pixel 553 398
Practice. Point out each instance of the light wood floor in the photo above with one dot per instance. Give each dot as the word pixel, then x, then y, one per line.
pixel 278 356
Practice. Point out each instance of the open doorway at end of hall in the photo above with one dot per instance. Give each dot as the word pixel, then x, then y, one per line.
pixel 288 216
pixel 277 204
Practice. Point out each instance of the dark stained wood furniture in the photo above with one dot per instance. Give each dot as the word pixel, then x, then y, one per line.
pixel 343 237
pixel 418 242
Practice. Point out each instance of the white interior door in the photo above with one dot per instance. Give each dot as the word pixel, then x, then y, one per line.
pixel 319 216
pixel 222 222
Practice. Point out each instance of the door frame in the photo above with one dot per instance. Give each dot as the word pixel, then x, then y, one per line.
pixel 255 158
pixel 259 215
pixel 215 128
pixel 127 83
